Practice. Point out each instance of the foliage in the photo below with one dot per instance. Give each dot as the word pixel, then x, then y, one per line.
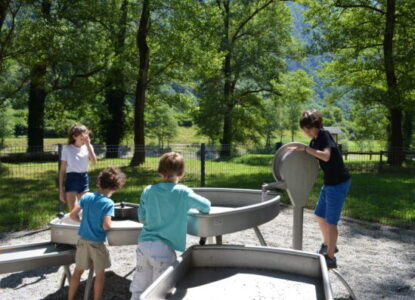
pixel 372 61
pixel 161 124
pixel 6 122
pixel 295 89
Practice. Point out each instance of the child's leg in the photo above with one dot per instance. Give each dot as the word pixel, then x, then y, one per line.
pixel 74 284
pixel 161 258
pixel 143 274
pixel 320 212
pixel 71 199
pixel 335 197
pixel 99 284
pixel 332 239
pixel 324 229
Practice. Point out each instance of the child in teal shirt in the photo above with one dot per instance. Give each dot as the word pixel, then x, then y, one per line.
pixel 163 211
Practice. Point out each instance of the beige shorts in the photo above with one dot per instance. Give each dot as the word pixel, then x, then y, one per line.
pixel 92 254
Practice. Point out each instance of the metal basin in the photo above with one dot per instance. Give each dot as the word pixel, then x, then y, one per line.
pixel 239 272
pixel 35 255
pixel 124 231
pixel 232 210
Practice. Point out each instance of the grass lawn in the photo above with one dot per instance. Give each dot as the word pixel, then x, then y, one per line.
pixel 188 135
pixel 29 194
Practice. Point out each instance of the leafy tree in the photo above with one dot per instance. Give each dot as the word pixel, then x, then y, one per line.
pixel 6 122
pixel 369 123
pixel 161 124
pixel 254 37
pixel 295 89
pixel 372 60
pixel 171 43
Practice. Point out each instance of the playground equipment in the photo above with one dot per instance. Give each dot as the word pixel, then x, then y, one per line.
pixel 36 255
pixel 124 231
pixel 295 172
pixel 240 272
pixel 226 269
pixel 233 210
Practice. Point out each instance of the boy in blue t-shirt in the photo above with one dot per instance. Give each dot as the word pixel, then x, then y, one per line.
pixel 163 211
pixel 97 210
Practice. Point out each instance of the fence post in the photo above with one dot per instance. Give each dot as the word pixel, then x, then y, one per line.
pixel 202 165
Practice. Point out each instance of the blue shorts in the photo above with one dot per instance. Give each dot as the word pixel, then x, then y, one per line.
pixel 330 203
pixel 76 182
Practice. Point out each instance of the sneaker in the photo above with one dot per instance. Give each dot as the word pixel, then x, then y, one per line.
pixel 331 262
pixel 323 249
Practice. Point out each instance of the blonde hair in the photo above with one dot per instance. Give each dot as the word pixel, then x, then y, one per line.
pixel 75 130
pixel 171 164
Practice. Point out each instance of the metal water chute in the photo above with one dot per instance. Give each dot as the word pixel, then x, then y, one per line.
pixel 295 172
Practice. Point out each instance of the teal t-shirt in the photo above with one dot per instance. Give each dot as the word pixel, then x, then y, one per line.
pixel 95 207
pixel 163 208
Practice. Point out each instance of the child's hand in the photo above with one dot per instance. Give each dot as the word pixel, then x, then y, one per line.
pixel 296 148
pixel 87 139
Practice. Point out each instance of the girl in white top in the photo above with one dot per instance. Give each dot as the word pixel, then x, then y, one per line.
pixel 74 164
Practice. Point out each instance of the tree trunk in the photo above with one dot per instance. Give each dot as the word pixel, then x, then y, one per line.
pixel 408 129
pixel 4 6
pixel 37 96
pixel 226 141
pixel 396 155
pixel 144 53
pixel 114 125
pixel 393 94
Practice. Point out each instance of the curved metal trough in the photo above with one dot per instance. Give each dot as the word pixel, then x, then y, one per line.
pixel 232 210
pixel 240 272
pixel 124 231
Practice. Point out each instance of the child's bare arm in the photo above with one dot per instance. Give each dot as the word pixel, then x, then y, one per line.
pixel 107 223
pixel 91 152
pixel 74 215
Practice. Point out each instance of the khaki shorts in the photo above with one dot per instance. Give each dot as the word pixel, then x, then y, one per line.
pixel 92 254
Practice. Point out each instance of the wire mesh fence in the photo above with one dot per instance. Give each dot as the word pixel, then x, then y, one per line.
pixel 380 191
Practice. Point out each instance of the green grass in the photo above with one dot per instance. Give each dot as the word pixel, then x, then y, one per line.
pixel 188 135
pixel 29 194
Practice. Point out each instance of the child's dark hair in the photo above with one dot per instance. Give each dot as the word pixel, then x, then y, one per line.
pixel 311 118
pixel 111 178
pixel 75 130
pixel 171 164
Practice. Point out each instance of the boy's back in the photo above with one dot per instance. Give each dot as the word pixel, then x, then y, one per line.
pixel 164 209
pixel 95 207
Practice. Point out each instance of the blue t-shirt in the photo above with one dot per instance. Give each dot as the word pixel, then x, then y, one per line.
pixel 95 207
pixel 164 208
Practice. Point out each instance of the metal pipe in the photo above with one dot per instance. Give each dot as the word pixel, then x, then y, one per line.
pixel 298 227
pixel 260 236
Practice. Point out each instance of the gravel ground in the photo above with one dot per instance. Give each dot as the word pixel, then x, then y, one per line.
pixel 377 262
